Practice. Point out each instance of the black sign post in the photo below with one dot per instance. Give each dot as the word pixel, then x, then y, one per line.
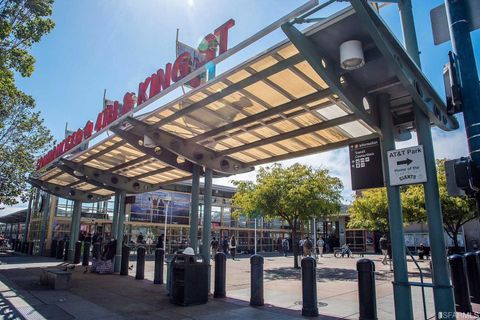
pixel 366 165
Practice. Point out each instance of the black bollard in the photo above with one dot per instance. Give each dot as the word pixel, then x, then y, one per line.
pixel 125 257
pixel 140 275
pixel 460 283
pixel 366 289
pixel 65 253
pixel 256 280
pixel 220 274
pixel 53 249
pixel 86 253
pixel 60 248
pixel 24 247
pixel 473 273
pixel 309 287
pixel 78 252
pixel 159 259
pixel 31 246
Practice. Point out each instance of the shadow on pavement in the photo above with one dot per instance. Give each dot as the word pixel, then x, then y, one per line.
pixel 323 274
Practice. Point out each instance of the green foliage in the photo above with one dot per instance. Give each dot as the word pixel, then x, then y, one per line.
pixel 370 211
pixel 22 133
pixel 296 193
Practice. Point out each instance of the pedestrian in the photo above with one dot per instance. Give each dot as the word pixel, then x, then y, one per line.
pixel 384 248
pixel 160 242
pixel 307 247
pixel 285 246
pixel 320 244
pixel 140 238
pixel 300 245
pixel 233 247
pixel 225 245
pixel 214 244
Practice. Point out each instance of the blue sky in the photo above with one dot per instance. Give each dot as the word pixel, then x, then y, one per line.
pixel 114 44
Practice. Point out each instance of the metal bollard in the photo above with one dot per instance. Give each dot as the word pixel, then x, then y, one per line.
pixel 309 287
pixel 169 276
pixel 140 275
pixel 220 275
pixel 60 248
pixel 256 280
pixel 17 246
pixel 473 273
pixel 86 253
pixel 78 252
pixel 23 247
pixel 124 263
pixel 366 289
pixel 460 283
pixel 53 249
pixel 159 259
pixel 30 248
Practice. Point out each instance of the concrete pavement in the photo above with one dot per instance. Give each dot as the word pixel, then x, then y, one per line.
pixel 95 296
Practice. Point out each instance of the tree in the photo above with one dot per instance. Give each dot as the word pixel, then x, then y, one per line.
pixel 294 194
pixel 22 133
pixel 456 210
pixel 370 211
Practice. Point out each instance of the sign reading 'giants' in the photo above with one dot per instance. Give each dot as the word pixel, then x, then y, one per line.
pixel 366 165
pixel 211 46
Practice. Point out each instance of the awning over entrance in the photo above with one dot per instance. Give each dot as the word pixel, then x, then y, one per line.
pixel 292 100
pixel 15 217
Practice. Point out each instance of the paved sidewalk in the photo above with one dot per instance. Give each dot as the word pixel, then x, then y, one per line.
pixel 94 296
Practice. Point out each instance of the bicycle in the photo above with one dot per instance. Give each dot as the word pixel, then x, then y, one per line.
pixel 341 252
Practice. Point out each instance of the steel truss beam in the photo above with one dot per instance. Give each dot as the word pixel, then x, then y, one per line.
pixel 192 151
pixel 66 192
pixel 341 84
pixel 262 115
pixel 109 179
pixel 406 70
pixel 292 134
pixel 86 179
pixel 279 66
pixel 306 152
pixel 162 154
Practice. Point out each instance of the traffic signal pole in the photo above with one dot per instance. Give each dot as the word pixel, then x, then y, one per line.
pixel 458 24
pixel 442 290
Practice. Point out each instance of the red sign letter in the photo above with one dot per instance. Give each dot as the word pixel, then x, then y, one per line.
pixel 222 35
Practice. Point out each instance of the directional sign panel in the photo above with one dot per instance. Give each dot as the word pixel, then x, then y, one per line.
pixel 366 165
pixel 407 166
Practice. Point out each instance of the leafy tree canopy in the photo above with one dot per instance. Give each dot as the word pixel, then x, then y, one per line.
pixel 294 194
pixel 370 211
pixel 22 133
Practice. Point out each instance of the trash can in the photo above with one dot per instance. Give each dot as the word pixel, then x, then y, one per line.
pixel 189 283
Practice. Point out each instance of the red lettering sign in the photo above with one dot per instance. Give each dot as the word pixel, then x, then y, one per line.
pixel 154 84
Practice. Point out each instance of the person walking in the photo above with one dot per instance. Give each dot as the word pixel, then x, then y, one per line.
pixel 225 245
pixel 307 247
pixel 233 247
pixel 384 248
pixel 285 246
pixel 320 244
pixel 300 245
pixel 214 244
pixel 160 242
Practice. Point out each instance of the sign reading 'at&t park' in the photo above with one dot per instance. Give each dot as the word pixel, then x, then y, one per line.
pixel 212 45
pixel 366 165
pixel 407 166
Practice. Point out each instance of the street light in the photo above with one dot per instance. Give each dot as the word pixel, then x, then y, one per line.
pixel 167 201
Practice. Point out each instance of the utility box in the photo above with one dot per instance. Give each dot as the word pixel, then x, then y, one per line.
pixel 189 280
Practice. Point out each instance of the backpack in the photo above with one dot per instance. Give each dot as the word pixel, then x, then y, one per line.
pixel 308 244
